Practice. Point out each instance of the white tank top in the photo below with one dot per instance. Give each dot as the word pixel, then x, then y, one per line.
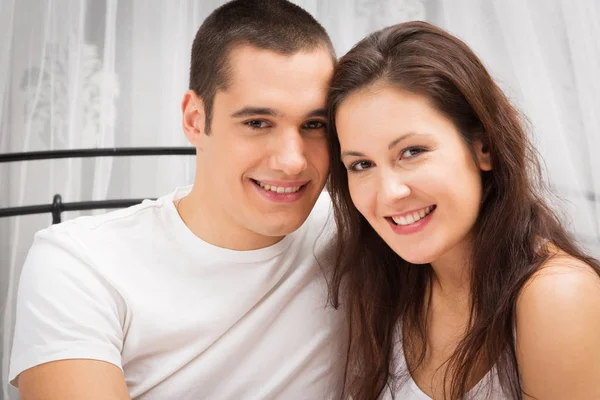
pixel 482 391
pixel 488 387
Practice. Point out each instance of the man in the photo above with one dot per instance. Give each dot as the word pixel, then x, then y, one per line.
pixel 215 292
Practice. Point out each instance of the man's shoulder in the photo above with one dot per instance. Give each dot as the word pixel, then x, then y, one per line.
pixel 109 236
pixel 110 224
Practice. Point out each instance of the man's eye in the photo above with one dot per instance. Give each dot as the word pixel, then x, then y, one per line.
pixel 314 125
pixel 256 124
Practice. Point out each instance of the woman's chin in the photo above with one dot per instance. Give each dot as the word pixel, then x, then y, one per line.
pixel 416 257
pixel 418 260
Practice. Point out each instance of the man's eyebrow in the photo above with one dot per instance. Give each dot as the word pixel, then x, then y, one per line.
pixel 249 111
pixel 319 112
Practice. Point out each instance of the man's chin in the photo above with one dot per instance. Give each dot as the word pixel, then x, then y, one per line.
pixel 280 231
pixel 286 226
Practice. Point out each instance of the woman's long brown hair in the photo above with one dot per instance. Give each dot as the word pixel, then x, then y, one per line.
pixel 378 287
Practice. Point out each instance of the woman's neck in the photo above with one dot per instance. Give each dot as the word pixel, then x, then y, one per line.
pixel 451 283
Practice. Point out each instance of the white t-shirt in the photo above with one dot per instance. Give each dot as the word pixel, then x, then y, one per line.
pixel 183 319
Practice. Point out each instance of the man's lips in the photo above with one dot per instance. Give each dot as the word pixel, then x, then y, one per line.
pixel 284 184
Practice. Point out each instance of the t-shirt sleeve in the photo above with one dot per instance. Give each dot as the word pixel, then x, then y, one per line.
pixel 65 308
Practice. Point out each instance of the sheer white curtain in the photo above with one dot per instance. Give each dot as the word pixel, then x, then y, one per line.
pixel 81 74
pixel 103 73
pixel 546 57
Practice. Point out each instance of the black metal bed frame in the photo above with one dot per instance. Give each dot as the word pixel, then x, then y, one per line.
pixel 57 207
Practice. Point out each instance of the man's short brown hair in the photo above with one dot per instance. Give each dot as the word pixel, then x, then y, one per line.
pixel 275 25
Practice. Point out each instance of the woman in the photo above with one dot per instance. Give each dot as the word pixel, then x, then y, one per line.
pixel 460 280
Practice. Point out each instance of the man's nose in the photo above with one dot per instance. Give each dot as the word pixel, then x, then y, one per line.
pixel 288 155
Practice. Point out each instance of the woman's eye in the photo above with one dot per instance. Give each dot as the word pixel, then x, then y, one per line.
pixel 256 124
pixel 412 152
pixel 314 125
pixel 360 166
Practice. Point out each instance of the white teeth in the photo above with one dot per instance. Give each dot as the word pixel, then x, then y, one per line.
pixel 413 217
pixel 279 189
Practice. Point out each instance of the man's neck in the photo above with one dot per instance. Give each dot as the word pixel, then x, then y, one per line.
pixel 217 229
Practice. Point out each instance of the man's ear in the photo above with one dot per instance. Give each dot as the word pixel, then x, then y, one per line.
pixel 484 157
pixel 193 118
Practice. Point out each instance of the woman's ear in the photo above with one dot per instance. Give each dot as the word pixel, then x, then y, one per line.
pixel 484 157
pixel 193 118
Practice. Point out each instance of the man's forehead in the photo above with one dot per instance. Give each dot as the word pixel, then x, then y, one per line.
pixel 265 83
pixel 247 61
